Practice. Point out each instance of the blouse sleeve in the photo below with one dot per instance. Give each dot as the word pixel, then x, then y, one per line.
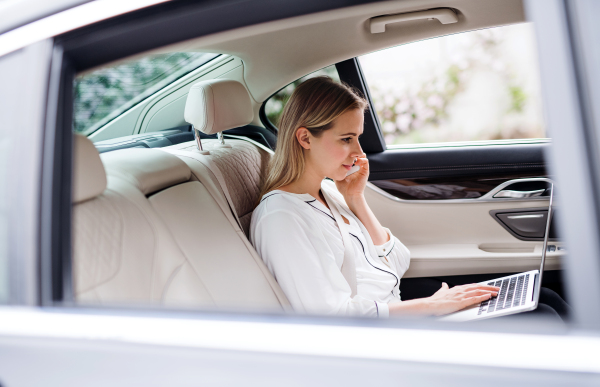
pixel 306 268
pixel 395 253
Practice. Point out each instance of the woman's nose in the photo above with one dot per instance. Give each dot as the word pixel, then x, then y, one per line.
pixel 357 151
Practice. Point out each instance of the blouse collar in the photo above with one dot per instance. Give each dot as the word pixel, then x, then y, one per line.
pixel 304 197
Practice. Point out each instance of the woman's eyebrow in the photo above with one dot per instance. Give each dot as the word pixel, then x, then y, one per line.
pixel 348 134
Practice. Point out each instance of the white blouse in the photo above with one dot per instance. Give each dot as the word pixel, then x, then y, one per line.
pixel 300 242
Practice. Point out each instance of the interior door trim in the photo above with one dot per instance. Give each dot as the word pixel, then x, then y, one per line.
pixel 489 197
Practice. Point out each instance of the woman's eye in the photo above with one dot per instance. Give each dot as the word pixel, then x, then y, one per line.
pixel 347 140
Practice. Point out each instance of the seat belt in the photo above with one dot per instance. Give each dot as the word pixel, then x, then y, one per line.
pixel 211 166
pixel 348 265
pixel 256 144
pixel 208 163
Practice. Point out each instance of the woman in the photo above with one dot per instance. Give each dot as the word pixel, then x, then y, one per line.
pixel 294 229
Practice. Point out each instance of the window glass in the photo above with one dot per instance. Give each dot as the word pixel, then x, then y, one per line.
pixel 102 95
pixel 275 104
pixel 479 85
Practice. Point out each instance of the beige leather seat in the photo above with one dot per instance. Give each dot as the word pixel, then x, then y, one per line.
pixel 151 231
pixel 243 167
pixel 213 106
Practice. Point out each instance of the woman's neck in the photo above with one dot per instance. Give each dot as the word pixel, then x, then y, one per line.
pixel 309 182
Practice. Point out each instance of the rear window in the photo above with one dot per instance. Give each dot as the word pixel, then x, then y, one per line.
pixel 275 104
pixel 102 95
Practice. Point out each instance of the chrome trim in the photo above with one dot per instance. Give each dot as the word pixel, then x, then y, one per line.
pixel 68 20
pixel 488 197
pixel 506 193
pixel 197 138
pixel 221 138
pixel 492 193
pixel 462 144
pixel 531 216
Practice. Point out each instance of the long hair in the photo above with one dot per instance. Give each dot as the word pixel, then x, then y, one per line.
pixel 315 105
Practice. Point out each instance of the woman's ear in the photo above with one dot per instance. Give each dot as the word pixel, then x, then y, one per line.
pixel 303 137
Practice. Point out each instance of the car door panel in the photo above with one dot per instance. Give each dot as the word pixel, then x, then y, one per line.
pixel 459 160
pixel 455 230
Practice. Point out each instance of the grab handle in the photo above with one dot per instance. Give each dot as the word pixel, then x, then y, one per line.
pixel 444 15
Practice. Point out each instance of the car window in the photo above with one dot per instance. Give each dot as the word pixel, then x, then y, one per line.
pixel 274 105
pixel 102 95
pixel 478 85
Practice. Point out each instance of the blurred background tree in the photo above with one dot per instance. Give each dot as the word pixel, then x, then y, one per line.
pixel 105 93
pixel 478 85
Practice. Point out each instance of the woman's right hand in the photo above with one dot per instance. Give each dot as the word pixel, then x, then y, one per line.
pixel 448 300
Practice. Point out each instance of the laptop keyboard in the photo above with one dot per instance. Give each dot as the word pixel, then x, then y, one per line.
pixel 513 291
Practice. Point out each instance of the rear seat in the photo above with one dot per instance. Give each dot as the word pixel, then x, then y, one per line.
pixel 148 231
pixel 156 228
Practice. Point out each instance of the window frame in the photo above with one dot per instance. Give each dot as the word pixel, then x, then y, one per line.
pixel 573 156
pixel 28 67
pixel 75 53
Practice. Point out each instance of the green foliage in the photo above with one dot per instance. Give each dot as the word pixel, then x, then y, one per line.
pixel 518 98
pixel 406 114
pixel 108 92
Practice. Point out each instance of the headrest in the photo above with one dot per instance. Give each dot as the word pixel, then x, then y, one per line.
pixel 218 104
pixel 89 177
pixel 150 170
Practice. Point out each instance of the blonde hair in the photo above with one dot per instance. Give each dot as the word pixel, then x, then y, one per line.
pixel 315 105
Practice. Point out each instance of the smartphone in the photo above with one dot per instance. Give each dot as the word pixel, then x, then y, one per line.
pixel 354 168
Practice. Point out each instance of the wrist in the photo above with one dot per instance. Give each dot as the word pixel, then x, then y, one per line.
pixel 429 306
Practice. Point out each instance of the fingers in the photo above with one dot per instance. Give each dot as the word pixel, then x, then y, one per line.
pixel 481 287
pixel 444 285
pixel 362 161
pixel 475 293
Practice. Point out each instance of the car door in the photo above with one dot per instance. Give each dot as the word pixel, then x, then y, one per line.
pixel 465 196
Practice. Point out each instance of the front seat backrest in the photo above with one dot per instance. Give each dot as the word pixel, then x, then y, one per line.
pixel 216 105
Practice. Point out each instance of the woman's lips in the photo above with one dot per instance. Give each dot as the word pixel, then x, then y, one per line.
pixel 347 166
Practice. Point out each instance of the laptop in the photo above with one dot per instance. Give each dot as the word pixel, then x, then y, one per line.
pixel 518 293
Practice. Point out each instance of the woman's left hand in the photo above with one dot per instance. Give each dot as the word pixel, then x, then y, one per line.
pixel 353 186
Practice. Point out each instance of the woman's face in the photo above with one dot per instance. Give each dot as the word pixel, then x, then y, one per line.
pixel 333 153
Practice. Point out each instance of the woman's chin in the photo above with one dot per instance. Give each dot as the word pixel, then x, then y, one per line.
pixel 339 176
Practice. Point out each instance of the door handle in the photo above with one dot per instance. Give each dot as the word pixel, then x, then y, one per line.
pixel 519 194
pixel 530 216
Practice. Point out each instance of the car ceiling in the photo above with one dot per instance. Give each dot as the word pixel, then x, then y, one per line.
pixel 277 53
